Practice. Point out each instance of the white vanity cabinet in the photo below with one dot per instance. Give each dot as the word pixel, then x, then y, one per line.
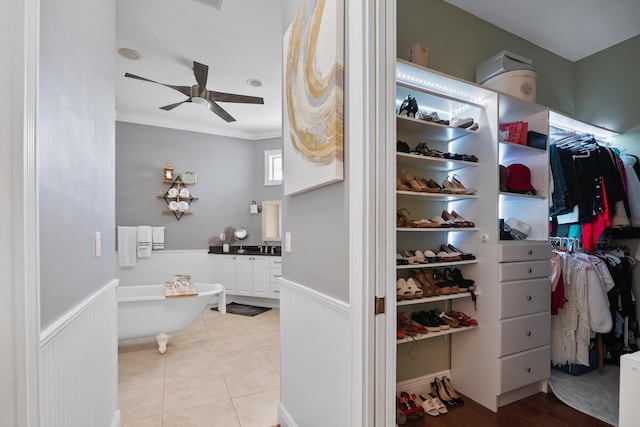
pixel 224 270
pixel 247 275
pixel 252 275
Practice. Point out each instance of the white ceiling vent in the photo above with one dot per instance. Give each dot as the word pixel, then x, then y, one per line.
pixel 213 3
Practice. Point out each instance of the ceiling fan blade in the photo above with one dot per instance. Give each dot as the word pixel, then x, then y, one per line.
pixel 185 90
pixel 232 97
pixel 172 106
pixel 221 112
pixel 201 71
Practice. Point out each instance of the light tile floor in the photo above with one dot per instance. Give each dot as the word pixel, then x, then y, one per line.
pixel 223 371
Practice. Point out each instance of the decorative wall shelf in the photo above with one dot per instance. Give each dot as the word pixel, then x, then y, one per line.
pixel 178 198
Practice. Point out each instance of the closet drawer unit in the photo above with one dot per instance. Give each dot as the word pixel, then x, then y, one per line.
pixel 524 252
pixel 524 297
pixel 524 368
pixel 524 270
pixel 525 333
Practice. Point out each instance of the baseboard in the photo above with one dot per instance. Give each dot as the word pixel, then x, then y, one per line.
pixel 284 418
pixel 116 420
pixel 420 384
pixel 522 392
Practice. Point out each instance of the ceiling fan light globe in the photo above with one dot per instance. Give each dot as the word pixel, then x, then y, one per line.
pixel 200 101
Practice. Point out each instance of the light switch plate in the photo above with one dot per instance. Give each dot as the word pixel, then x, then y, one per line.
pixel 97 244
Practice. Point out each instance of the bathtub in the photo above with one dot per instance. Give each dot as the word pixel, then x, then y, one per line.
pixel 144 312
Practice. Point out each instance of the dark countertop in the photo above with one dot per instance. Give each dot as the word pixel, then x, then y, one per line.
pixel 248 250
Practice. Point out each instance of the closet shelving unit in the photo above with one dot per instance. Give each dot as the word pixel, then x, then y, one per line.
pixel 449 98
pixel 506 357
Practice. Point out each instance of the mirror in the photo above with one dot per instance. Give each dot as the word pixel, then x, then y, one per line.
pixel 271 221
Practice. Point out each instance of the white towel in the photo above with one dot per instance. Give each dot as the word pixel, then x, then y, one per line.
pixel 144 237
pixel 158 237
pixel 127 246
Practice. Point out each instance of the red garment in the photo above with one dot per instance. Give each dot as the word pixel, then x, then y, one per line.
pixel 591 231
pixel 557 297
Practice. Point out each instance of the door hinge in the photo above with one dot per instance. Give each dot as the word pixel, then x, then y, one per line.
pixel 380 305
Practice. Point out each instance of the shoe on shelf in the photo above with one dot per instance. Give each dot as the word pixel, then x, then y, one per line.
pixel 452 392
pixel 425 320
pixel 411 400
pixel 402 147
pixel 449 185
pixel 462 123
pixel 406 108
pixel 455 275
pixel 451 321
pixel 436 402
pixel 458 184
pixel 458 217
pixel 437 389
pixel 425 223
pixel 428 405
pixel 463 318
pixel 474 126
pixel 402 221
pixel 465 256
pixel 402 290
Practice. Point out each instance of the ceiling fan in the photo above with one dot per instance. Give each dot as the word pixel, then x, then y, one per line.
pixel 199 94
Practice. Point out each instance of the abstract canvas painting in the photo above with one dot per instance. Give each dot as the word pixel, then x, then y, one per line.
pixel 313 132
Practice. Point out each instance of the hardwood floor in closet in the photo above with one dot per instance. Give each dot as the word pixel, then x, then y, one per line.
pixel 535 411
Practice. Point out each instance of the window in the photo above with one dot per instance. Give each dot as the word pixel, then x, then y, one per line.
pixel 273 167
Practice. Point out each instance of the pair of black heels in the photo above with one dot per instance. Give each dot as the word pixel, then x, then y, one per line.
pixel 409 107
pixel 443 388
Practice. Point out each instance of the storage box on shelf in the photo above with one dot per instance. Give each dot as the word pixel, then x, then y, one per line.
pixel 449 98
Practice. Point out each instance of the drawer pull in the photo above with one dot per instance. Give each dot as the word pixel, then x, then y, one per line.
pixel 529 251
pixel 528 369
pixel 529 298
pixel 277 275
pixel 528 333
pixel 276 291
pixel 277 262
pixel 529 270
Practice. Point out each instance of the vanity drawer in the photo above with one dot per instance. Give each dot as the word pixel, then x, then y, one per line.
pixel 524 368
pixel 275 274
pixel 524 251
pixel 275 261
pixel 524 270
pixel 525 333
pixel 524 297
pixel 274 290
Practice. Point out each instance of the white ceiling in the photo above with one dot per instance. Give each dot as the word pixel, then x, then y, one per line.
pixel 240 41
pixel 573 29
pixel 243 40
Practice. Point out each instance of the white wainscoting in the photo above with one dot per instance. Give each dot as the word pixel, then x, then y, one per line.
pixel 315 361
pixel 163 264
pixel 79 364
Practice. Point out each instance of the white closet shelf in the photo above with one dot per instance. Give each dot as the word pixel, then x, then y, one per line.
pixel 435 334
pixel 429 130
pixel 435 264
pixel 436 197
pixel 449 229
pixel 431 163
pixel 520 196
pixel 424 300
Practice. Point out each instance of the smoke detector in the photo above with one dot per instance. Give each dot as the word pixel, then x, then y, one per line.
pixel 213 3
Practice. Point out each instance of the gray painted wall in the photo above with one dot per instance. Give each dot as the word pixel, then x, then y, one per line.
pixel 230 174
pixel 607 88
pixel 75 151
pixel 458 41
pixel 318 223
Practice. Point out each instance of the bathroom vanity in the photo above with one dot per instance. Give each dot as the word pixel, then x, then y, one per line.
pixel 251 273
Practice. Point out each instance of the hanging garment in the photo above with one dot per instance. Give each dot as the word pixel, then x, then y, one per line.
pixel 633 189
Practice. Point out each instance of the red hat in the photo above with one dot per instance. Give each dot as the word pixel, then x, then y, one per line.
pixel 519 180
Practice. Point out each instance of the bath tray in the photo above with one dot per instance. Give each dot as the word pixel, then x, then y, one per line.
pixel 171 292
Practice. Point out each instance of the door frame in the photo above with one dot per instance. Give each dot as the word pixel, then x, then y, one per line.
pixel 22 249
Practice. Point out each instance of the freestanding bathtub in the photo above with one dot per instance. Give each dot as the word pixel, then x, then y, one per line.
pixel 144 311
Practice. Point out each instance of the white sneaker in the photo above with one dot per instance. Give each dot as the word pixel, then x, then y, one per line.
pixel 462 123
